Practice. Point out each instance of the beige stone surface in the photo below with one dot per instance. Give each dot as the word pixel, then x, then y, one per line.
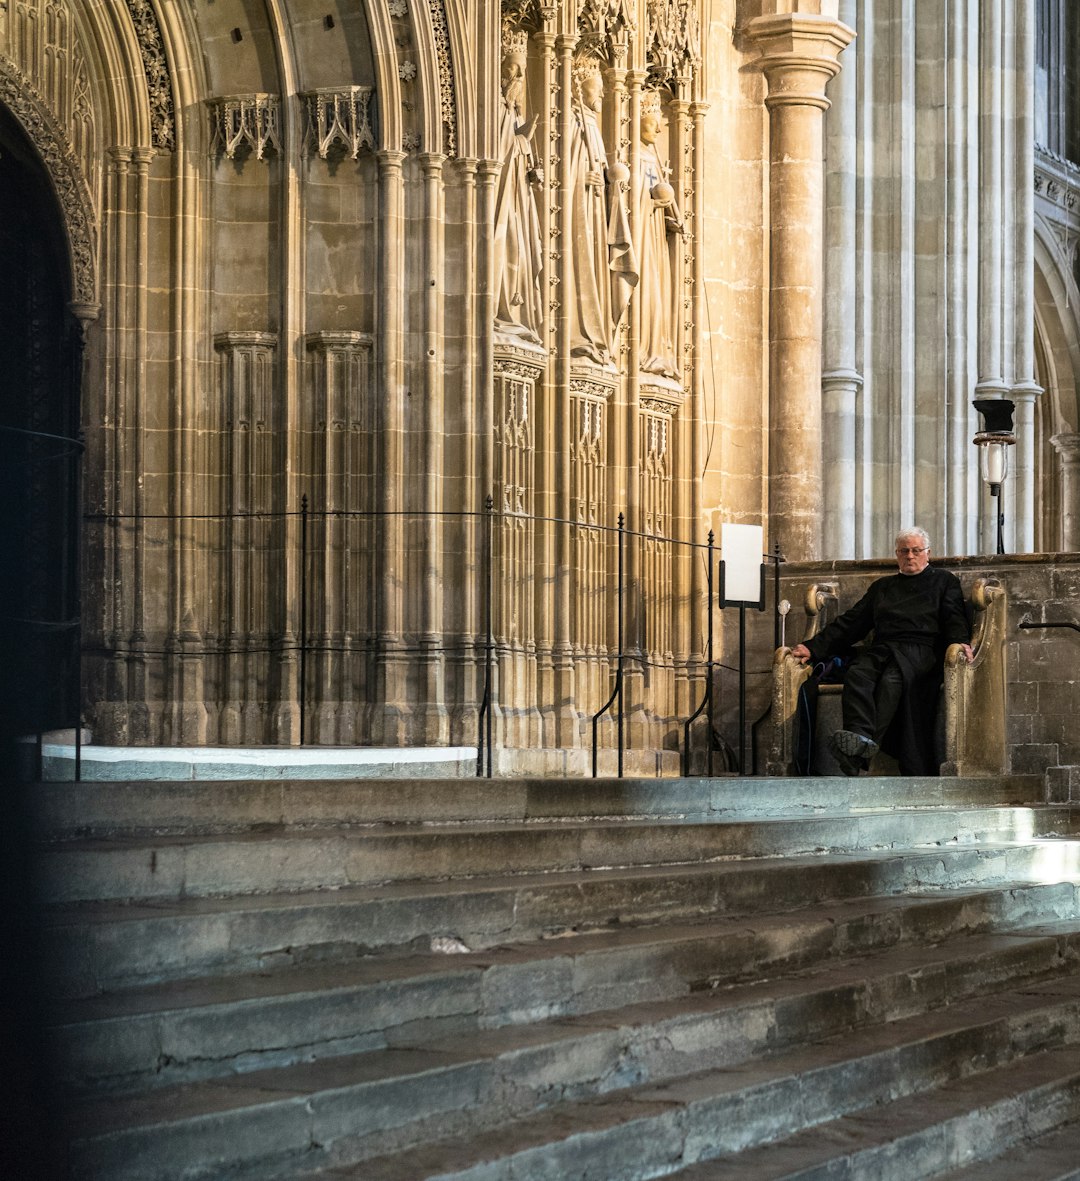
pixel 282 232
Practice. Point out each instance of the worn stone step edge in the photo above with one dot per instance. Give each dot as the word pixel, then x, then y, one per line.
pixel 1053 1156
pixel 69 811
pixel 171 867
pixel 696 1120
pixel 277 1126
pixel 138 1040
pixel 962 1125
pixel 93 949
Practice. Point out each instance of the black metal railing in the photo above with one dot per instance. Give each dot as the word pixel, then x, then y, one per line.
pixel 476 553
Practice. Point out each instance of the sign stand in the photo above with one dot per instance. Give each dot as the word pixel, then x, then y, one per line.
pixel 741 576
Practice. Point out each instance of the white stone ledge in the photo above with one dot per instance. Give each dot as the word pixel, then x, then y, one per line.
pixel 102 763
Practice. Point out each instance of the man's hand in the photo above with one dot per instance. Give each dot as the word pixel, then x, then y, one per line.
pixel 801 653
pixel 968 654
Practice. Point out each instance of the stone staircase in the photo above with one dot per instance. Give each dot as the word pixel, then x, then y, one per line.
pixel 563 979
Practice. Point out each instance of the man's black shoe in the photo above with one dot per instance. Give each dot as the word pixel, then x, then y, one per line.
pixel 852 751
pixel 846 763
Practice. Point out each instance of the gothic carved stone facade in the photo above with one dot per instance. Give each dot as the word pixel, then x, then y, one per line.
pixel 360 271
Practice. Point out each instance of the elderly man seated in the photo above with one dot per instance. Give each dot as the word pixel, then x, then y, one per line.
pixel 891 687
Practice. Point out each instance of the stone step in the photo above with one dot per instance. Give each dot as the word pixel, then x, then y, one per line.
pixel 343 1110
pixel 962 1123
pixel 1054 1156
pixel 204 1028
pixel 66 811
pixel 163 867
pixel 100 948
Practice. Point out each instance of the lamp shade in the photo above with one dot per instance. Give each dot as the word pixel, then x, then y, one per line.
pixel 994 461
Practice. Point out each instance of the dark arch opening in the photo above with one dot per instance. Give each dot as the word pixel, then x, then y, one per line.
pixel 40 360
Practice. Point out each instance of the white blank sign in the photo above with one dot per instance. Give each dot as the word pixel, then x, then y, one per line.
pixel 740 549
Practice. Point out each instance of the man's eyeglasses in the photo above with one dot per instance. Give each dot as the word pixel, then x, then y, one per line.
pixel 914 550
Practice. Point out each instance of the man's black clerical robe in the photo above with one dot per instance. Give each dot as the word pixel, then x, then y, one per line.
pixel 915 617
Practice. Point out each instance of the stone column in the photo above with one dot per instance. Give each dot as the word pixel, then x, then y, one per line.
pixel 1068 447
pixel 432 718
pixel 991 383
pixel 342 543
pixel 694 415
pixel 249 394
pixel 840 381
pixel 462 172
pixel 549 462
pixel 798 56
pixel 962 483
pixel 1025 391
pixel 391 714
pixel 563 727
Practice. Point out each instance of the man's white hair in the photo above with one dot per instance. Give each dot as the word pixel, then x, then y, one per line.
pixel 915 531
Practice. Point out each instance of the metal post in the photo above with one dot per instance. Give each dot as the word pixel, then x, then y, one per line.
pixel 616 692
pixel 489 644
pixel 707 699
pixel 303 611
pixel 997 490
pixel 742 689
pixel 619 672
pixel 710 666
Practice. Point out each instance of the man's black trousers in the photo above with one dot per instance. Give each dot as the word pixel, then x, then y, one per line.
pixel 873 686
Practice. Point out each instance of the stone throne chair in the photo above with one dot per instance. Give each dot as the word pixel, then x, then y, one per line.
pixel 971 715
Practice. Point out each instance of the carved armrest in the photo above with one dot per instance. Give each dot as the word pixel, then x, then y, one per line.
pixel 788 677
pixel 975 689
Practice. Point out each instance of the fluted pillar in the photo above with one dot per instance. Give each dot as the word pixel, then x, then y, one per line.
pixel 1025 390
pixel 798 56
pixel 1068 448
pixel 991 341
pixel 432 718
pixel 392 714
pixel 840 381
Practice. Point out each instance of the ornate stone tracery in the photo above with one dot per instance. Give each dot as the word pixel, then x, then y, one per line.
pixel 250 120
pixel 156 67
pixel 673 39
pixel 606 17
pixel 339 115
pixel 70 184
pixel 446 76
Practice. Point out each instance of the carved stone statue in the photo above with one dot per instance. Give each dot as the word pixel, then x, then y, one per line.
pixel 604 266
pixel 659 221
pixel 518 246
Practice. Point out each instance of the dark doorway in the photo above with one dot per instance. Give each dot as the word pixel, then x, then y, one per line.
pixel 40 357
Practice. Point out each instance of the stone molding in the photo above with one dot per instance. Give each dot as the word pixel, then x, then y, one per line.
pixel 592 385
pixel 1067 445
pixel 446 76
pixel 246 119
pixel 520 361
pixel 661 398
pixel 156 67
pixel 798 55
pixel 345 340
pixel 338 115
pixel 673 38
pixel 1057 190
pixel 69 183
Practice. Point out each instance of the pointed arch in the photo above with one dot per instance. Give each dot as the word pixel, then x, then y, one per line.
pixel 69 183
pixel 436 77
pixel 1057 326
pixel 387 82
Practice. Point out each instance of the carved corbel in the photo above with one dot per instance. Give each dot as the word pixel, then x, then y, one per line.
pixel 246 119
pixel 339 115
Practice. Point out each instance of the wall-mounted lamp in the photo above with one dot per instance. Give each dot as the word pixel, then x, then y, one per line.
pixel 993 442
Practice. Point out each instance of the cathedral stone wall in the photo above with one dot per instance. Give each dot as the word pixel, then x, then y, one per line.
pixel 426 342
